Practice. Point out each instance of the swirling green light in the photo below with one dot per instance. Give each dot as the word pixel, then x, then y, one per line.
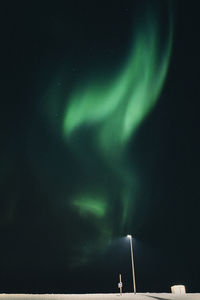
pixel 111 109
pixel 118 107
pixel 114 108
pixel 90 206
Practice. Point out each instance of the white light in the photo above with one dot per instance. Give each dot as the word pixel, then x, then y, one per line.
pixel 129 236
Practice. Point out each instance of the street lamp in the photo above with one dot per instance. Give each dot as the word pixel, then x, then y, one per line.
pixel 132 261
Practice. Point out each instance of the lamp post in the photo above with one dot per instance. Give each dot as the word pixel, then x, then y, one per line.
pixel 132 262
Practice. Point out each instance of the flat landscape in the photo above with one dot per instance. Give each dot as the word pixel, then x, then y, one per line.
pixel 142 296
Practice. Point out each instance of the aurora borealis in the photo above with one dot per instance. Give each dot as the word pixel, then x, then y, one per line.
pixel 99 139
pixel 114 107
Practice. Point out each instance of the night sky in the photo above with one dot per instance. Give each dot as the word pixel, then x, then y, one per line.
pixel 99 138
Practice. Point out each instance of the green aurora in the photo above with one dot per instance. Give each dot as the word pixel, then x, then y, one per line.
pixel 111 110
pixel 90 205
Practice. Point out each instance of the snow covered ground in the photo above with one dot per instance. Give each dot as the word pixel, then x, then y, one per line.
pixel 143 296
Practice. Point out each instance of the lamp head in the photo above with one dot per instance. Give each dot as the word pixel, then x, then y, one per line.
pixel 129 236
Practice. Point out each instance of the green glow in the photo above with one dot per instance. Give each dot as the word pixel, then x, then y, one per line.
pixel 101 118
pixel 93 208
pixel 114 108
pixel 118 107
pixel 90 205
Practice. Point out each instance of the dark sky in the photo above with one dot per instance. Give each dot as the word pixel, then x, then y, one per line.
pixel 47 245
